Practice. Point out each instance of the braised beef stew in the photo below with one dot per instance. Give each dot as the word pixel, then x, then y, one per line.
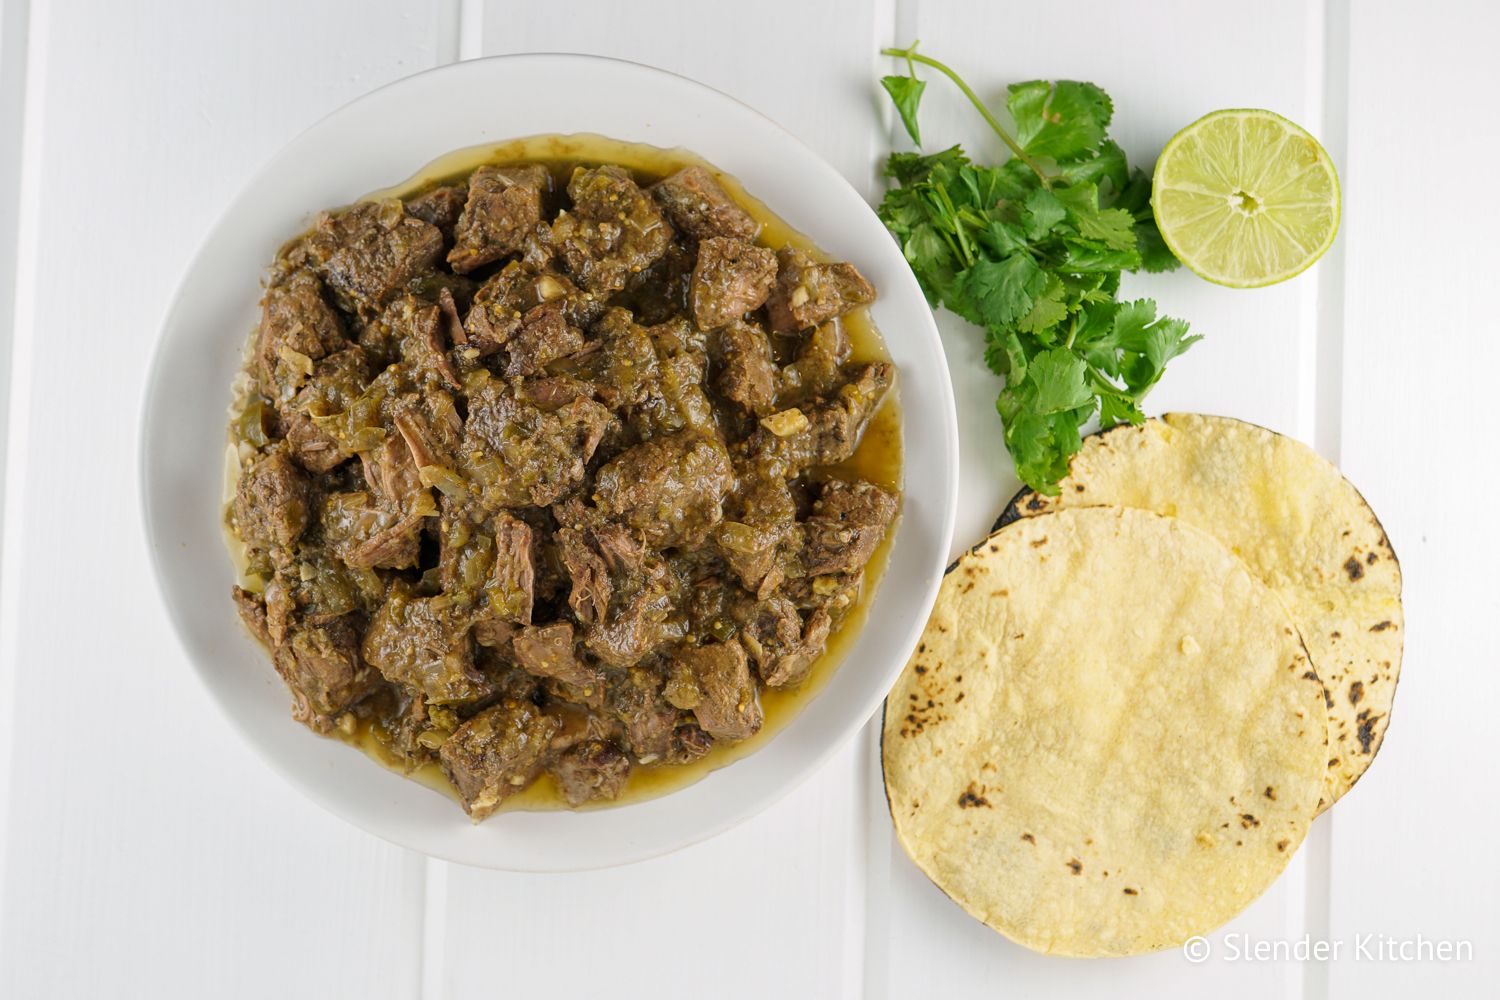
pixel 547 469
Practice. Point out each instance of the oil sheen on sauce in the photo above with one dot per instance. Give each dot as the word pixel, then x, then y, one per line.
pixel 878 458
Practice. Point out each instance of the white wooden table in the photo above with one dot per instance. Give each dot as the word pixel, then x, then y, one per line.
pixel 146 853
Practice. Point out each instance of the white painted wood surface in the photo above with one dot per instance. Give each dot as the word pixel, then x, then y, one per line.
pixel 135 867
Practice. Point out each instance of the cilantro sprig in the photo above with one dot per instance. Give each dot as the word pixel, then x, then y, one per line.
pixel 1032 250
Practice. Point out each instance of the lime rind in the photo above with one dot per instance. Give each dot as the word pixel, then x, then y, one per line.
pixel 1246 198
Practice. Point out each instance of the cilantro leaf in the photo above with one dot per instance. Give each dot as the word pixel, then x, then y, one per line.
pixel 1004 355
pixel 1003 238
pixel 1150 342
pixel 906 93
pixel 1065 120
pixel 1060 379
pixel 1085 255
pixel 1132 320
pixel 1113 227
pixel 1155 256
pixel 1002 291
pixel 1115 409
pixel 911 168
pixel 1047 309
pixel 1040 444
pixel 1108 170
pixel 1041 213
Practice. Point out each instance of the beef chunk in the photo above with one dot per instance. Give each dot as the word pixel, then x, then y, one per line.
pixel 591 590
pixel 831 592
pixel 590 695
pixel 552 392
pixel 392 474
pixel 577 724
pixel 547 651
pixel 726 706
pixel 783 647
pixel 648 720
pixel 494 633
pixel 497 753
pixel 429 425
pixel 669 490
pixel 315 586
pixel 503 205
pixel 731 278
pixel 689 742
pixel 512 582
pixel 593 551
pixel 503 303
pixel 418 327
pixel 643 618
pixel 818 370
pixel 625 368
pixel 336 382
pixel 808 293
pixel 660 292
pixel 746 371
pixel 592 770
pixel 281 606
pixel 372 251
pixel 322 667
pixel 271 503
pixel 619 549
pixel 366 534
pixel 847 523
pixel 424 642
pixel 252 610
pixel 410 725
pixel 452 326
pixel 516 453
pixel 792 664
pixel 677 336
pixel 699 206
pixel 498 307
pixel 297 327
pixel 828 432
pixel 613 231
pixel 672 397
pixel 545 336
pixel 441 207
pixel 763 514
pixel 489 567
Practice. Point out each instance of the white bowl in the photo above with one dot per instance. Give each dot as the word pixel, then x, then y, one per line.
pixel 380 140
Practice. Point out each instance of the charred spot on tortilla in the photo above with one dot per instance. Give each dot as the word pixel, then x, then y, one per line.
pixel 971 799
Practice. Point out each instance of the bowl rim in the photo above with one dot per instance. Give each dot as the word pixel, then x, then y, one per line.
pixel 311 789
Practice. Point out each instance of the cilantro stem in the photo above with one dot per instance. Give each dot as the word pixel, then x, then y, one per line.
pixel 910 54
pixel 958 229
pixel 1104 385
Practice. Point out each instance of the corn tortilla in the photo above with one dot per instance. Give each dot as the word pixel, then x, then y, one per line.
pixel 1109 739
pixel 1300 526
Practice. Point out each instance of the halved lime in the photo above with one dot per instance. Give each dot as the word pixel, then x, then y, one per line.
pixel 1245 198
